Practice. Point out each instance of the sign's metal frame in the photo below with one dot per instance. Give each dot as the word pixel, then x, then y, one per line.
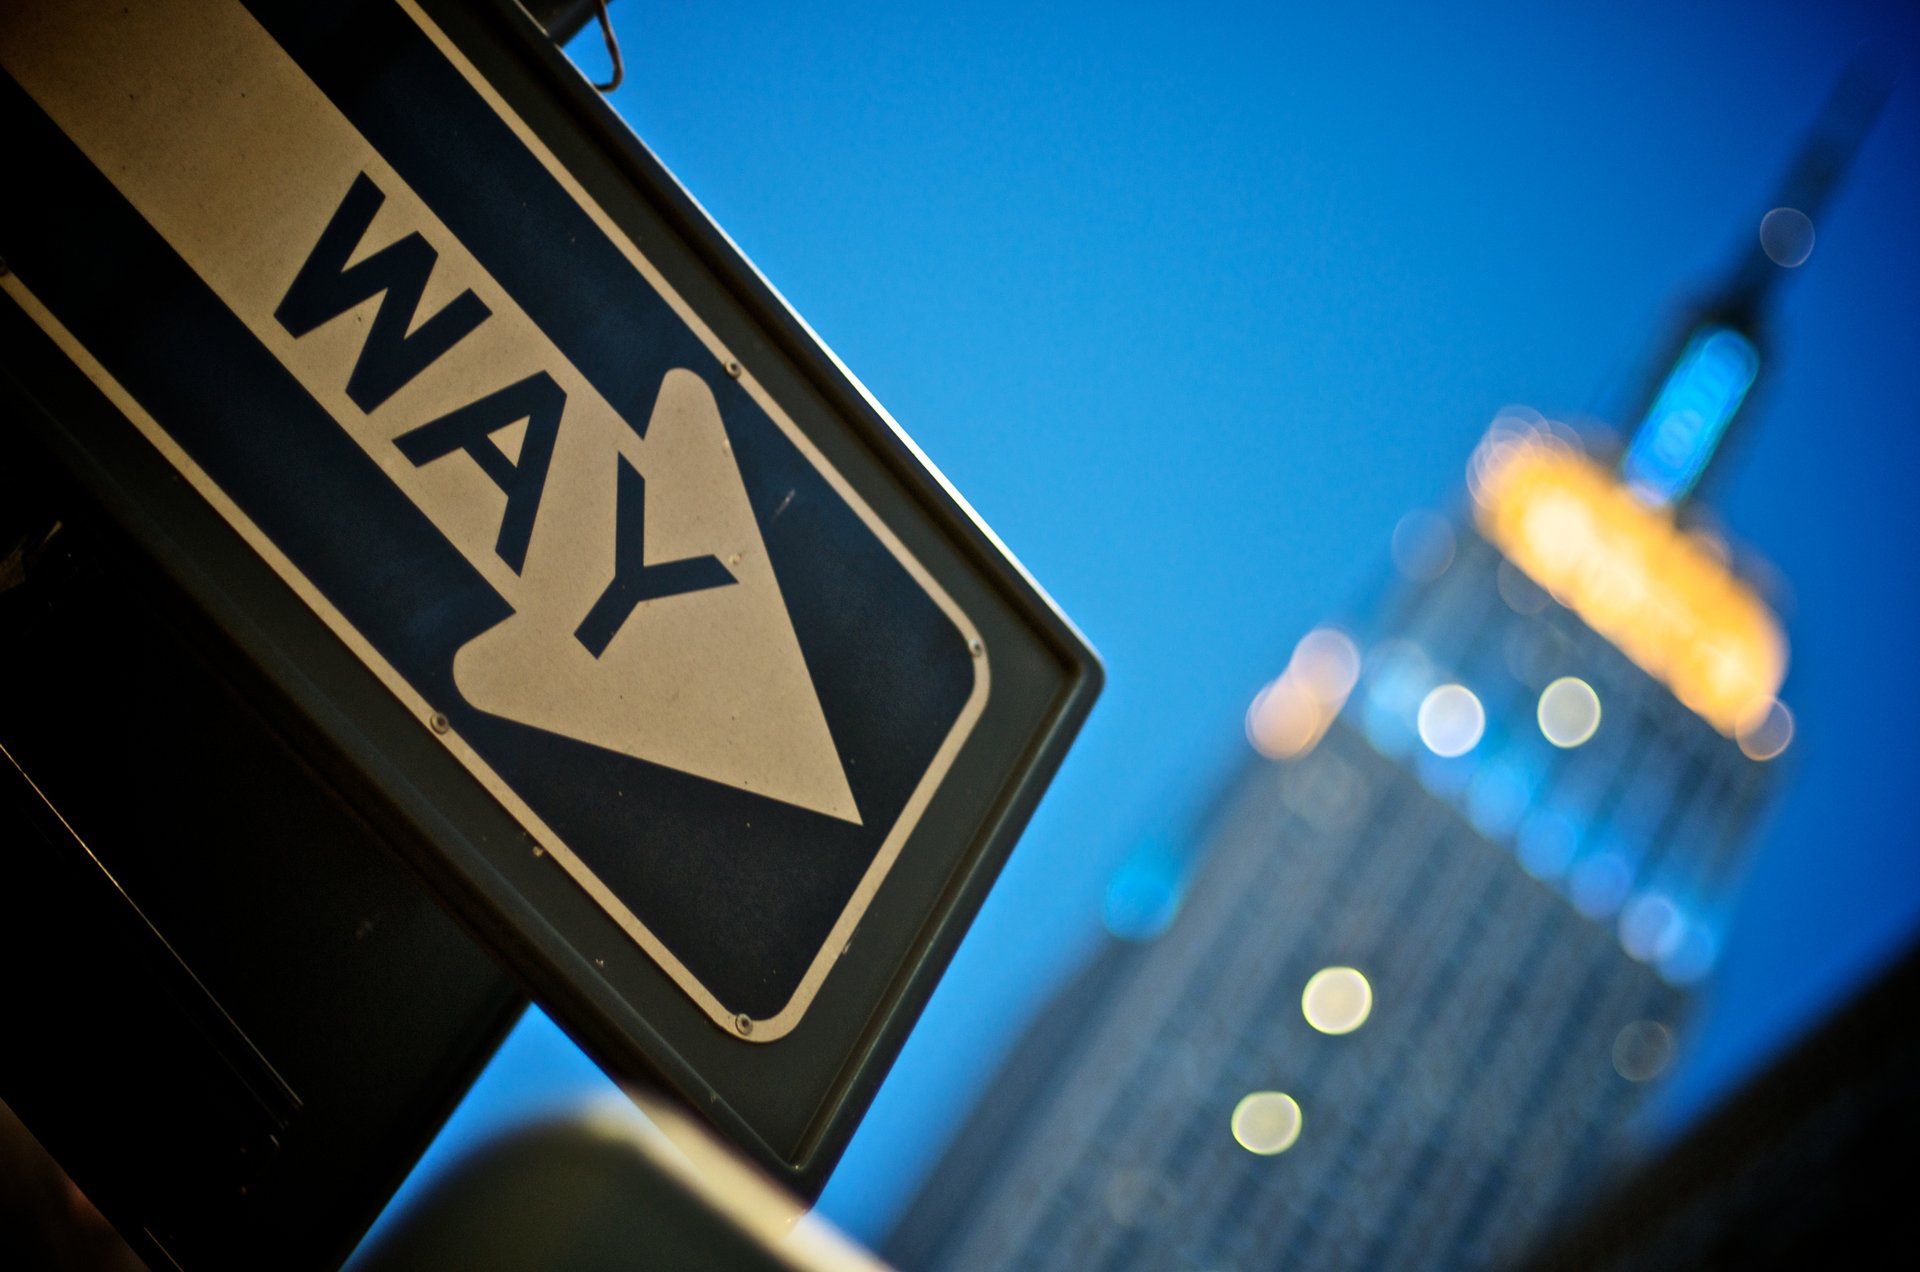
pixel 791 1103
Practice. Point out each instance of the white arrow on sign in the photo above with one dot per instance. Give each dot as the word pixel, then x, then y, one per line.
pixel 706 677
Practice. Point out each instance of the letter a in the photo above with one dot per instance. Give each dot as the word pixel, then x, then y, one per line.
pixel 538 401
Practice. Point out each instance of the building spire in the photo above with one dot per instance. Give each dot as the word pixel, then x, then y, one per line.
pixel 1720 355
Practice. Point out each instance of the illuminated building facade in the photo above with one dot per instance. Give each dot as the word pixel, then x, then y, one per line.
pixel 1436 938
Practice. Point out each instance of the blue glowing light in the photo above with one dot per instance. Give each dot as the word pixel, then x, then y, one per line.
pixel 1599 884
pixel 1398 677
pixel 1548 844
pixel 1144 895
pixel 1651 927
pixel 1499 796
pixel 1693 956
pixel 1680 433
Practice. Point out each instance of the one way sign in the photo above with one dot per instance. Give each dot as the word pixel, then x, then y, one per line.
pixel 658 634
pixel 733 710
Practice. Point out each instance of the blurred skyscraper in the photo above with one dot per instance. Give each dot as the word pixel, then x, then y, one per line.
pixel 1395 1003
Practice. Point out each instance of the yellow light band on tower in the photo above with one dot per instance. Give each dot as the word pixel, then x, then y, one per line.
pixel 1663 597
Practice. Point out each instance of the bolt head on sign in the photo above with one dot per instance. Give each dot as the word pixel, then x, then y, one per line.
pixel 714 669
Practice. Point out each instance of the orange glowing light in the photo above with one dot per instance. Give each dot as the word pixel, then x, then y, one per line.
pixel 1664 597
pixel 1289 716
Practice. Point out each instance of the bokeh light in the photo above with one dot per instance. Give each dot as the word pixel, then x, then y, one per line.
pixel 1522 594
pixel 1786 236
pixel 1143 896
pixel 1642 1050
pixel 1569 712
pixel 1284 720
pixel 1599 884
pixel 1399 674
pixel 1547 845
pixel 1136 1196
pixel 1267 1122
pixel 1499 794
pixel 1288 717
pixel 1682 430
pixel 1765 730
pixel 1671 605
pixel 1337 1000
pixel 1651 928
pixel 1326 663
pixel 1451 721
pixel 1328 794
pixel 1693 956
pixel 1423 545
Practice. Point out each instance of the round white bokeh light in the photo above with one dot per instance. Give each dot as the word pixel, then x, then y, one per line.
pixel 1451 721
pixel 1569 712
pixel 1337 1000
pixel 1267 1122
pixel 1786 236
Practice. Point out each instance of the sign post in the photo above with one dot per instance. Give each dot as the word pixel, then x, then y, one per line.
pixel 711 709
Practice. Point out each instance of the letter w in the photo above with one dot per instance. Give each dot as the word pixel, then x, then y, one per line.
pixel 326 287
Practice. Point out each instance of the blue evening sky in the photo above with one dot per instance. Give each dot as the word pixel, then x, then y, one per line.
pixel 1194 302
